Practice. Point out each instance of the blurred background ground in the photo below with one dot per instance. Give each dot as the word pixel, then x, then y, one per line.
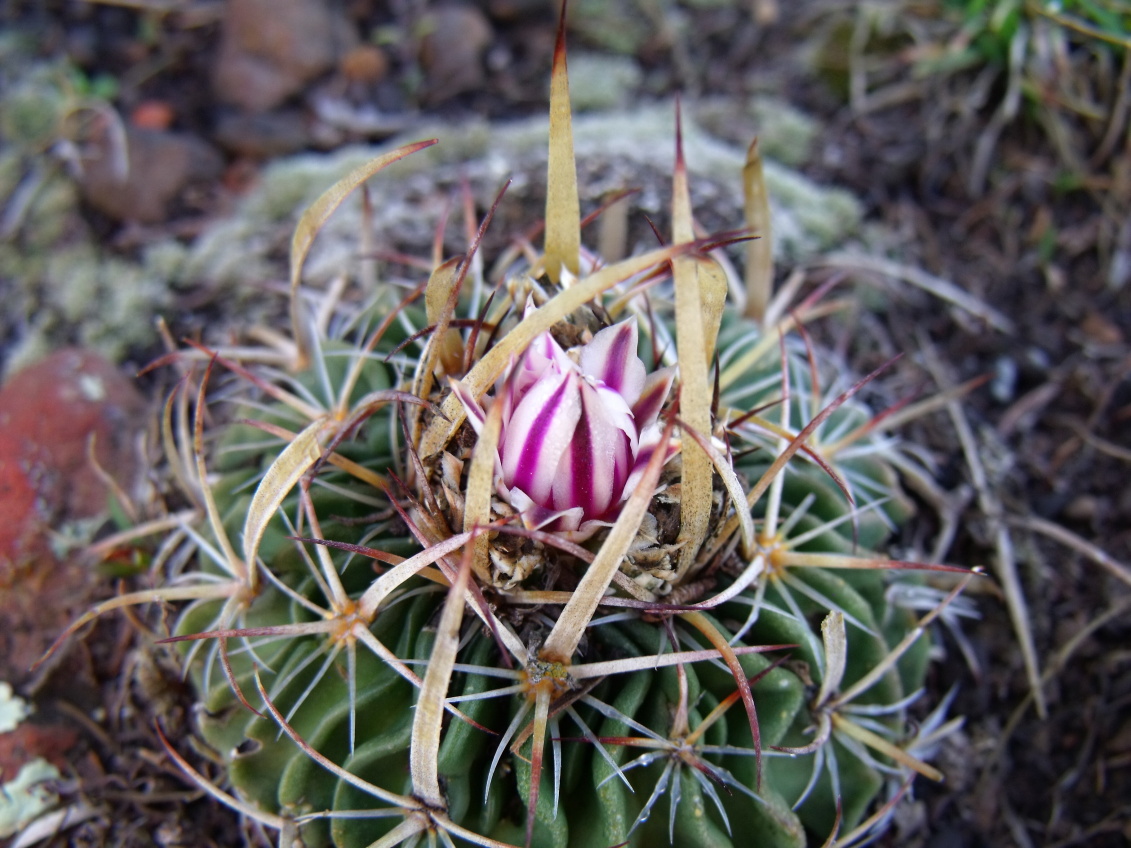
pixel 988 144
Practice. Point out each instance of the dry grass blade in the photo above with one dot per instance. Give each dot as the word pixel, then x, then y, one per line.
pixel 1066 537
pixel 1055 666
pixel 937 286
pixel 288 468
pixel 315 217
pixel 695 390
pixel 990 505
pixel 759 251
pixel 1082 26
pixel 1007 110
pixel 242 807
pixel 563 209
pixel 427 722
pixel 575 617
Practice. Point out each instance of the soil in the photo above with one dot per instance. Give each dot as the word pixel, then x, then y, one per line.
pixel 1030 221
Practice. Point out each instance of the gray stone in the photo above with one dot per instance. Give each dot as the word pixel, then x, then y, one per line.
pixel 270 49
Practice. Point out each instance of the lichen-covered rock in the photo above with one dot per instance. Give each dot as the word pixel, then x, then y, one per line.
pixel 615 150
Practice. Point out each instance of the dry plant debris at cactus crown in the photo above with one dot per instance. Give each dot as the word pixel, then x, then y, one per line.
pixel 574 554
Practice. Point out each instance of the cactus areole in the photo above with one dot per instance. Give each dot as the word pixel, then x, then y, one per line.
pixel 579 556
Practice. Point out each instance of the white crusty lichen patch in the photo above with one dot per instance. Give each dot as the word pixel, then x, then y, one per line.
pixel 27 796
pixel 13 710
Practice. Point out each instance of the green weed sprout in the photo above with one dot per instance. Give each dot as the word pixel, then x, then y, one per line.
pixel 581 557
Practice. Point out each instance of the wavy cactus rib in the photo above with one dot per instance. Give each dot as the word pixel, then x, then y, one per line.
pixel 411 644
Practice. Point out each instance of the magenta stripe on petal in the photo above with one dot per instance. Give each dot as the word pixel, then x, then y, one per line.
pixel 594 468
pixel 611 358
pixel 582 460
pixel 652 398
pixel 618 353
pixel 531 474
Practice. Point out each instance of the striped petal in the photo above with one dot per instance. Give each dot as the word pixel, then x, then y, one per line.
pixel 539 432
pixel 599 457
pixel 647 407
pixel 535 517
pixel 611 358
pixel 650 441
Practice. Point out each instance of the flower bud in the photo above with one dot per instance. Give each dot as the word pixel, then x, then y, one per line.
pixel 577 429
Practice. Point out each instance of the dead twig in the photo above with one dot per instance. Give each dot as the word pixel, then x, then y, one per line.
pixel 937 286
pixel 1005 564
pixel 1068 538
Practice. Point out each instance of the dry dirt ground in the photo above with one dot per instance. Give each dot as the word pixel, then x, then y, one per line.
pixel 1028 214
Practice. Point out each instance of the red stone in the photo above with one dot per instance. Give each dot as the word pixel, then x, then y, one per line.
pixel 53 416
pixel 31 741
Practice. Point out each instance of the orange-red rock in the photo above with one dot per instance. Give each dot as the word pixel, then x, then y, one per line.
pixel 53 415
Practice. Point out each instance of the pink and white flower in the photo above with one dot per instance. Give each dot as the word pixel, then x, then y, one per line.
pixel 577 429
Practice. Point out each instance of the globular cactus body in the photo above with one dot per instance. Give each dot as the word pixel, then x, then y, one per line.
pixel 441 644
pixel 596 806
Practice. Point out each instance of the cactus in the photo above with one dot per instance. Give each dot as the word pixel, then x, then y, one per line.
pixel 579 559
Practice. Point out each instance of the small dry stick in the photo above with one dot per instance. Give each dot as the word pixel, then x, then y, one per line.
pixel 1066 537
pixel 1005 563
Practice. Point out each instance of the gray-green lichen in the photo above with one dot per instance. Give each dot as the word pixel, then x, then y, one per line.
pixel 75 292
pixel 27 797
pixel 599 82
pixel 62 286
